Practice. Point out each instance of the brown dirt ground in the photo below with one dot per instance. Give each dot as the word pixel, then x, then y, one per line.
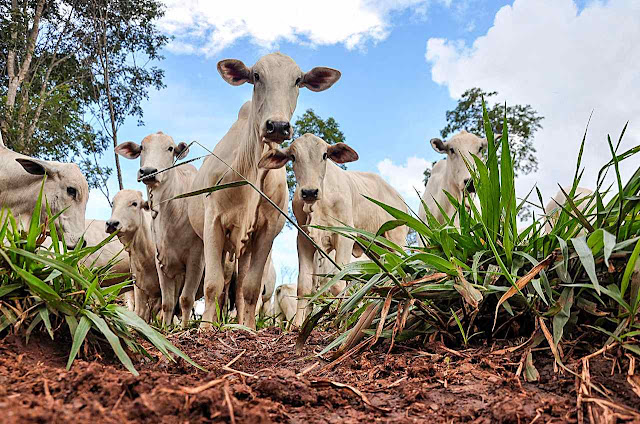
pixel 426 384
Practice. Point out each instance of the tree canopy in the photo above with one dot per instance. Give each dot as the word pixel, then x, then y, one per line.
pixel 53 84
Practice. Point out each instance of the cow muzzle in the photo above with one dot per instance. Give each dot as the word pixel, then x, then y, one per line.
pixel 277 131
pixel 112 226
pixel 309 195
pixel 144 175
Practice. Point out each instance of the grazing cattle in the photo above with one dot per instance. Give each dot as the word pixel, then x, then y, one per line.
pixel 285 302
pixel 450 174
pixel 327 196
pixel 238 220
pixel 131 218
pixel 65 189
pixel 179 251
pixel 553 209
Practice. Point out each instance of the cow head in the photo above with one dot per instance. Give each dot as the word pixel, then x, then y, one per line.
pixel 461 145
pixel 127 212
pixel 276 80
pixel 309 155
pixel 66 190
pixel 157 152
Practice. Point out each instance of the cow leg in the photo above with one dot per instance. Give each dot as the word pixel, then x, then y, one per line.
pixel 142 303
pixel 344 247
pixel 252 283
pixel 130 300
pixel 213 270
pixel 244 263
pixel 169 292
pixel 192 279
pixel 306 269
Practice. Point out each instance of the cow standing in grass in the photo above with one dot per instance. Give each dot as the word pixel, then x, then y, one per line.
pixel 179 251
pixel 330 196
pixel 451 174
pixel 130 216
pixel 237 220
pixel 65 190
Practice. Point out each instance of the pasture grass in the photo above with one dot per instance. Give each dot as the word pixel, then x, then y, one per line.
pixel 51 290
pixel 488 279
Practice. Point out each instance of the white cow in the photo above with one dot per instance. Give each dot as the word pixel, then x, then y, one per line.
pixel 553 209
pixel 179 251
pixel 450 174
pixel 327 196
pixel 285 302
pixel 238 220
pixel 130 216
pixel 65 189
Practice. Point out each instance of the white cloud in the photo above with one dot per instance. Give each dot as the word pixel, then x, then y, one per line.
pixel 565 63
pixel 207 27
pixel 406 178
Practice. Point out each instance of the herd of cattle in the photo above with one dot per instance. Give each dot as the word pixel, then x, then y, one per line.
pixel 219 244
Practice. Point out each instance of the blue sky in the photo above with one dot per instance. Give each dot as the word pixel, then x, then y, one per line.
pixel 403 65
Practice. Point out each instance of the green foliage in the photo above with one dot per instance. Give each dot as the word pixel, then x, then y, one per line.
pixel 52 101
pixel 471 280
pixel 50 289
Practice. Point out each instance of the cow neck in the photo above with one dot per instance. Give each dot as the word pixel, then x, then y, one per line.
pixel 157 195
pixel 249 153
pixel 139 244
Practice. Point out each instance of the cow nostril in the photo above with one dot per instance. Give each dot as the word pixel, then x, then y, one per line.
pixel 270 127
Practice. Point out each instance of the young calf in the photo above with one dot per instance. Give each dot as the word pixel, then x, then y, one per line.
pixel 131 218
pixel 450 174
pixel 327 196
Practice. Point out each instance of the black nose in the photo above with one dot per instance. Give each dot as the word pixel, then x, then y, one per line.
pixel 282 129
pixel 111 226
pixel 310 194
pixel 469 184
pixel 143 172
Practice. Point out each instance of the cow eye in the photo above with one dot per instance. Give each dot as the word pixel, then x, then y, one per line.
pixel 324 156
pixel 170 148
pixel 298 81
pixel 134 204
pixel 72 192
pixel 256 77
pixel 141 148
pixel 452 151
pixel 293 158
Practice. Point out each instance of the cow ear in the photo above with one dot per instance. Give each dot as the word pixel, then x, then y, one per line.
pixel 320 78
pixel 181 151
pixel 36 167
pixel 438 146
pixel 128 149
pixel 234 71
pixel 341 153
pixel 274 159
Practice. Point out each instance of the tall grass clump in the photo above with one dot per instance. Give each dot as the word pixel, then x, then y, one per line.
pixel 488 279
pixel 49 289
